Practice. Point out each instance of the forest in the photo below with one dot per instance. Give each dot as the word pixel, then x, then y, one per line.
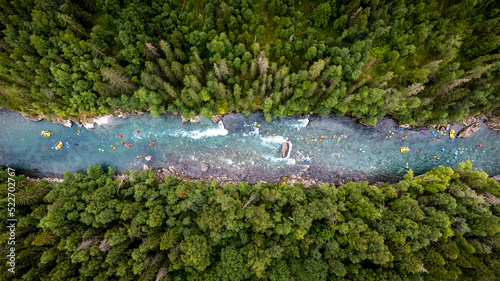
pixel 421 62
pixel 443 225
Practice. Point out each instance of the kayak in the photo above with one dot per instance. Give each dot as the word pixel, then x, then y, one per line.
pixel 121 136
pixel 59 145
pixel 139 132
pixel 452 134
pixel 100 149
pixel 404 149
pixel 113 147
pixel 479 146
pixel 152 143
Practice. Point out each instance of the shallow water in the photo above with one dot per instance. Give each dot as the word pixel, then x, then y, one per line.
pixel 240 149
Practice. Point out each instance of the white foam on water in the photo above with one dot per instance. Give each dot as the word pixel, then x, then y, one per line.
pixel 301 123
pixel 273 142
pixel 252 133
pixel 199 134
pixel 289 150
pixel 272 158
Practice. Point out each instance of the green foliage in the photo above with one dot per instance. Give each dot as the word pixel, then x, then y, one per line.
pixel 443 223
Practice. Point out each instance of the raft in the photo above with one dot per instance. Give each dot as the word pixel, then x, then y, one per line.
pixel 452 134
pixel 59 145
pixel 46 134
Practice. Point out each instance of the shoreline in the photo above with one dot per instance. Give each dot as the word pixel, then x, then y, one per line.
pixel 490 119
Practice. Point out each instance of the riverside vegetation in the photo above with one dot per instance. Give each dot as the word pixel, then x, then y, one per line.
pixel 443 225
pixel 419 61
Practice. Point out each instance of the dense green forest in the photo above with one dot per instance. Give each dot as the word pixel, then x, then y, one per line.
pixel 425 61
pixel 444 225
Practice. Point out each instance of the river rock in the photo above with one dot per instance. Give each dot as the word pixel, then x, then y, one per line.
pixel 497 177
pixel 405 126
pixel 184 120
pixel 284 149
pixel 494 123
pixel 88 125
pixel 104 120
pixel 197 119
pixel 216 118
pixel 148 158
pixel 205 167
pixel 32 117
pixel 145 167
pixel 467 131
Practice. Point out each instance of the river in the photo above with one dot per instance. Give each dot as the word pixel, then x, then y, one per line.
pixel 243 148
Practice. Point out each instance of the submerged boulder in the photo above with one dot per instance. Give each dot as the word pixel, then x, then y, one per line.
pixel 469 130
pixel 284 149
pixel 148 158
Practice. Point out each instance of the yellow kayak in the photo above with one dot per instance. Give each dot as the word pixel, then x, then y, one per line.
pixel 404 149
pixel 59 145
pixel 452 134
pixel 338 139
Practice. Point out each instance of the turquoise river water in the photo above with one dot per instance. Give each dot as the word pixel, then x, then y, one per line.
pixel 243 148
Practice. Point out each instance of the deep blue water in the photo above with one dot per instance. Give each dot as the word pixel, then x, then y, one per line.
pixel 240 149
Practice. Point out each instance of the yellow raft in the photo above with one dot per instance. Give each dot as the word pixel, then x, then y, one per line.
pixel 59 145
pixel 452 134
pixel 45 134
pixel 404 149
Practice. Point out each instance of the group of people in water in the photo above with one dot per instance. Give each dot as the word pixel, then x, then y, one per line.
pixel 60 145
